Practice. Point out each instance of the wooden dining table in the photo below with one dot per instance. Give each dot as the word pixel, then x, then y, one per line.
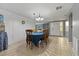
pixel 36 37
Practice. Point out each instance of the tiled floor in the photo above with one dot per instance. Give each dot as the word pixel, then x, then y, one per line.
pixel 57 46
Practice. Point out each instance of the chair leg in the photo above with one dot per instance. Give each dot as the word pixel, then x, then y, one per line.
pixel 27 43
pixel 42 45
pixel 31 45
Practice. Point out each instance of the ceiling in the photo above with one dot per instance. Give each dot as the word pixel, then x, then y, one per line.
pixel 47 10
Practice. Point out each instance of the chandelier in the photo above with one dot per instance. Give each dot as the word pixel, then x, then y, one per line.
pixel 39 18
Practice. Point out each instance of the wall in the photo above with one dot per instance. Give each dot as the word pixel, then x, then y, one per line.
pixel 13 26
pixel 75 33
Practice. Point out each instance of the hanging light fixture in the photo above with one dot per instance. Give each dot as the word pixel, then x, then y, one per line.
pixel 39 18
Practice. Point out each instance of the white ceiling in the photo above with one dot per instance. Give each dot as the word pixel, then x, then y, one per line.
pixel 46 10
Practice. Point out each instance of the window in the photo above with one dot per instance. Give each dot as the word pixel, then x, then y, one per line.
pixel 61 26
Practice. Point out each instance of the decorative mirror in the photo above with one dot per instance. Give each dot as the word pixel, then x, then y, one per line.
pixel 23 21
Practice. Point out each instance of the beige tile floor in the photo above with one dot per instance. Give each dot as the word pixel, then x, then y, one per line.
pixel 57 46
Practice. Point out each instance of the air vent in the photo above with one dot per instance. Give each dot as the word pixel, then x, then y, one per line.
pixel 58 7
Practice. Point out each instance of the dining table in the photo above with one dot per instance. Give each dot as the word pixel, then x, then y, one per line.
pixel 36 37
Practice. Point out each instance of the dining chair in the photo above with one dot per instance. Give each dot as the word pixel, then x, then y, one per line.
pixel 29 37
pixel 45 35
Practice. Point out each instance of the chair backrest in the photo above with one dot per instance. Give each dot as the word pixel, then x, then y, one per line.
pixel 45 33
pixel 29 34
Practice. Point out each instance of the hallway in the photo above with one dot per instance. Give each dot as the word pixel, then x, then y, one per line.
pixel 57 46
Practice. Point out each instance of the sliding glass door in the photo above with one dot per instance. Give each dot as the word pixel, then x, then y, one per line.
pixel 57 28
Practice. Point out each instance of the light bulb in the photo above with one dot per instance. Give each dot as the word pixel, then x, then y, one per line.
pixel 42 19
pixel 37 19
